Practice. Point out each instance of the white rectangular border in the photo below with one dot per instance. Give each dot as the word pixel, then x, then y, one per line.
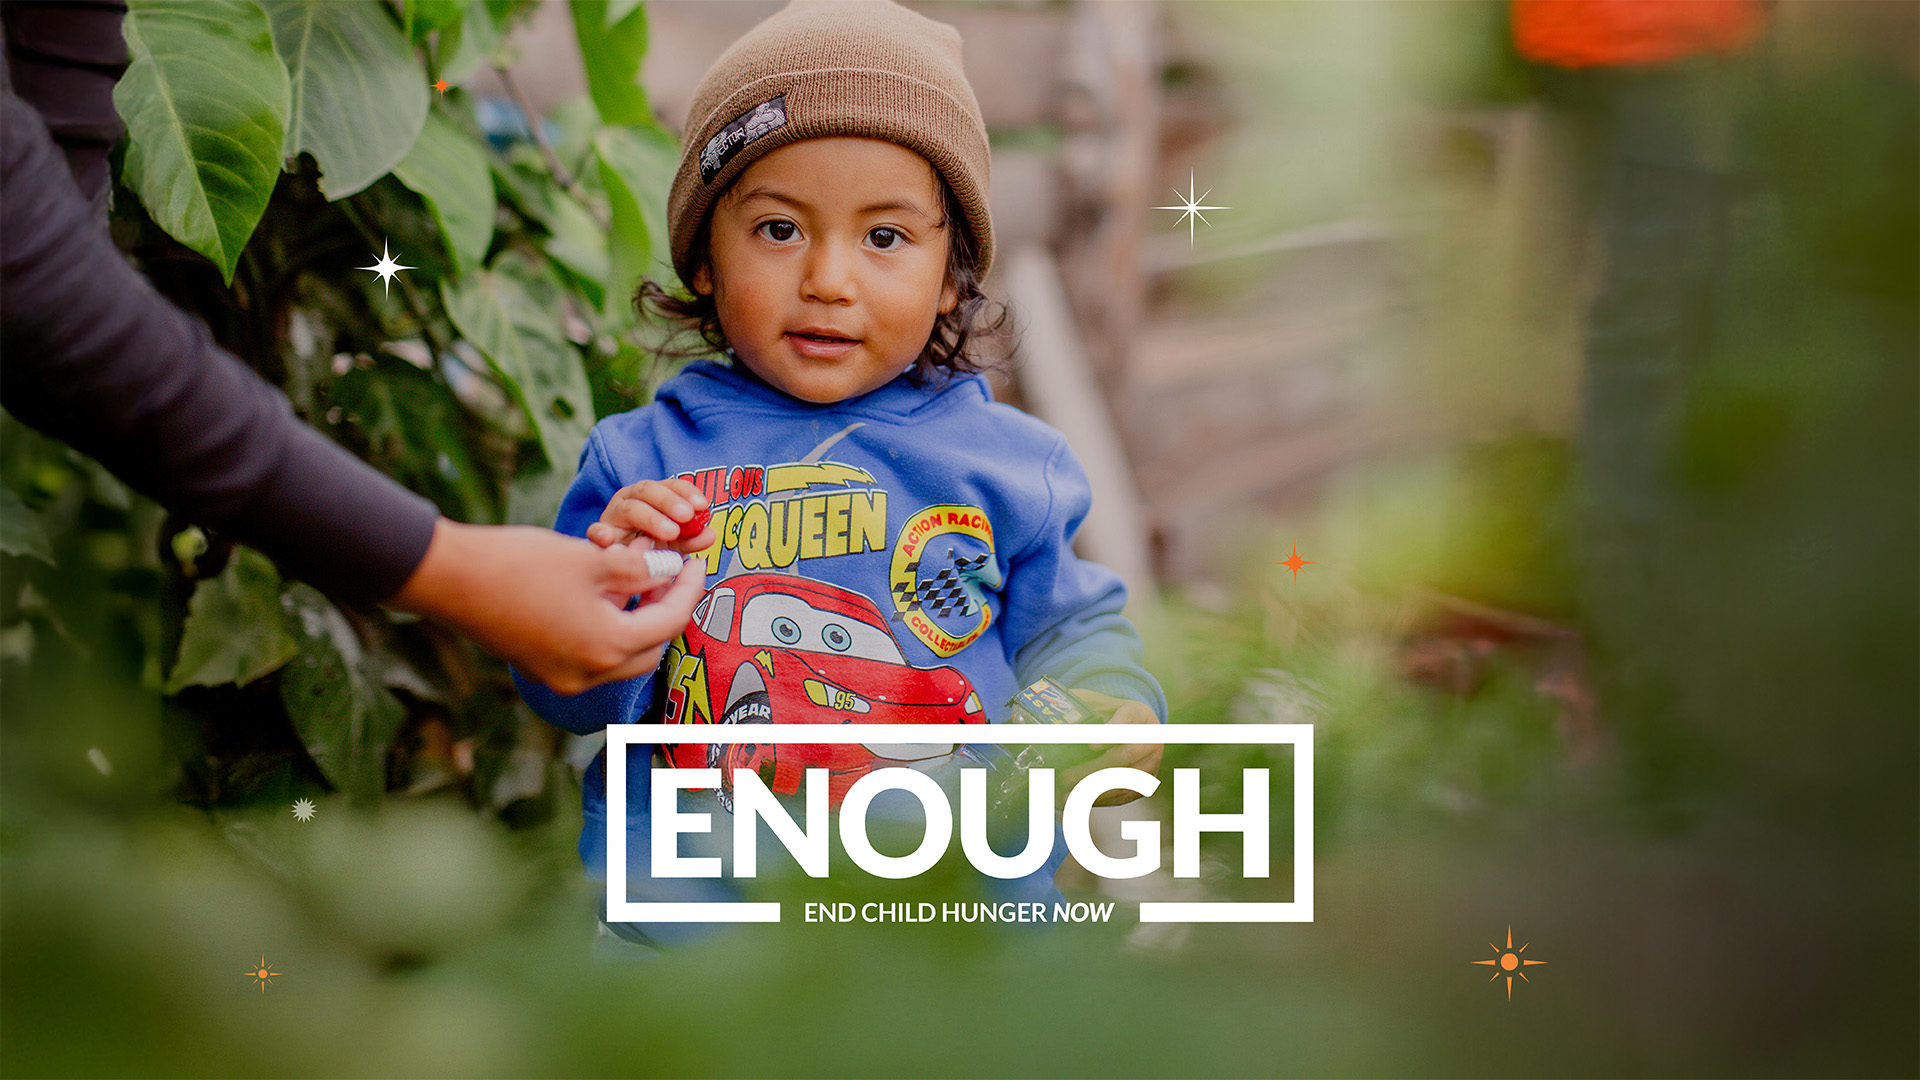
pixel 1299 736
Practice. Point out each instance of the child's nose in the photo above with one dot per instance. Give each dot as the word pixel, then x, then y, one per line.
pixel 829 274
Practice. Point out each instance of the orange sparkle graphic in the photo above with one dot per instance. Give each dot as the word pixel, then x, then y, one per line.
pixel 1294 562
pixel 1508 962
pixel 441 85
pixel 263 974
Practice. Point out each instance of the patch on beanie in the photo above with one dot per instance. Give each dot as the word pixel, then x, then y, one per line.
pixel 762 119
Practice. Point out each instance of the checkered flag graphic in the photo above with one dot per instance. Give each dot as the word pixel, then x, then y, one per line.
pixel 946 592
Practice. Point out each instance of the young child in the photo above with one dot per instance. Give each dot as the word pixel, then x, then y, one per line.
pixel 888 545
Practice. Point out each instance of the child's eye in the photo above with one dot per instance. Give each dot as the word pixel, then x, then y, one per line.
pixel 778 230
pixel 884 238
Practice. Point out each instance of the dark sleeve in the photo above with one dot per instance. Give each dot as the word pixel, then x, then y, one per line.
pixel 63 59
pixel 93 356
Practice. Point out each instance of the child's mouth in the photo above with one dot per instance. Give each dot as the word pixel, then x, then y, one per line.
pixel 819 345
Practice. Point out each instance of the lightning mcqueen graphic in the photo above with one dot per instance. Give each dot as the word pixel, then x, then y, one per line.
pixel 774 648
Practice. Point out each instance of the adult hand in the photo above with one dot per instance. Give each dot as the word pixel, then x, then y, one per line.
pixel 1142 756
pixel 549 604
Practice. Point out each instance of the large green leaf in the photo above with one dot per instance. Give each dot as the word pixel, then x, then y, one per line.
pixel 521 339
pixel 359 97
pixel 612 55
pixel 235 631
pixel 449 170
pixel 343 713
pixel 205 103
pixel 636 167
pixel 20 529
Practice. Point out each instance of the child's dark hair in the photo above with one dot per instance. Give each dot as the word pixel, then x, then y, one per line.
pixel 946 354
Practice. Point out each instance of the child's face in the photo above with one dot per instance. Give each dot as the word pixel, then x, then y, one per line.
pixel 828 263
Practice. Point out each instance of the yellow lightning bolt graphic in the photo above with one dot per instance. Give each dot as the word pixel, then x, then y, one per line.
pixel 795 477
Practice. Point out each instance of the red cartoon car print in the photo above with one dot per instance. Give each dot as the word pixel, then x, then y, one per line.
pixel 774 648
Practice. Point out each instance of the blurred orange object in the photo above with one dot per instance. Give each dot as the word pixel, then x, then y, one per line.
pixel 1631 33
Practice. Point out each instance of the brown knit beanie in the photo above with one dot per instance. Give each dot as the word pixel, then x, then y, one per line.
pixel 832 67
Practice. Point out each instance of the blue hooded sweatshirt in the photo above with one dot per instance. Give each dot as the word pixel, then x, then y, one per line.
pixel 907 551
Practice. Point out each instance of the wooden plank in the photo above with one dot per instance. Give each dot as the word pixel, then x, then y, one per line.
pixel 1265 468
pixel 1111 114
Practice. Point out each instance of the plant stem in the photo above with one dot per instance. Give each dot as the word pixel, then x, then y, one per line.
pixel 568 182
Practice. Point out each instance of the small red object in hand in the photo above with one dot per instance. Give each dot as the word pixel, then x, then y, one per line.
pixel 702 515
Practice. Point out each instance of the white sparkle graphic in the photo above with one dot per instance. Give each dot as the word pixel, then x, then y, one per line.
pixel 303 809
pixel 1190 208
pixel 387 268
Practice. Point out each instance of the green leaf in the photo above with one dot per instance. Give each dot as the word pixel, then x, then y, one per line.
pixel 467 44
pixel 20 529
pixel 359 97
pixel 342 711
pixel 636 167
pixel 623 380
pixel 534 499
pixel 411 425
pixel 235 631
pixel 205 102
pixel 504 12
pixel 612 55
pixel 423 17
pixel 448 168
pixel 339 706
pixel 569 129
pixel 578 243
pixel 520 185
pixel 522 340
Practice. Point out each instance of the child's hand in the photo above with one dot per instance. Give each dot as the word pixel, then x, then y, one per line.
pixel 1142 756
pixel 663 513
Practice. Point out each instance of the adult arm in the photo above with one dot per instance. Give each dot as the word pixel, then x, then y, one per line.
pixel 93 356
